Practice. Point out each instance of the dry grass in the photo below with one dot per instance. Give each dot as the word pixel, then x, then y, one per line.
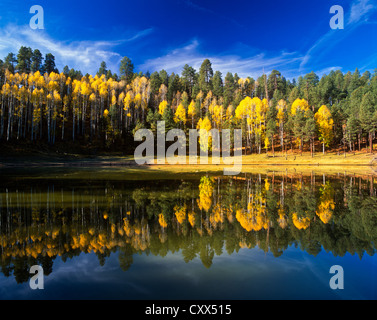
pixel 331 162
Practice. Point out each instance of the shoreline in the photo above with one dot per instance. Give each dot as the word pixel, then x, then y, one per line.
pixel 332 162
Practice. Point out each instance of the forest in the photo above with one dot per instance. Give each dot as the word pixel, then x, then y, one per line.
pixel 42 107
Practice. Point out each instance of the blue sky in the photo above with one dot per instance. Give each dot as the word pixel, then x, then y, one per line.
pixel 247 37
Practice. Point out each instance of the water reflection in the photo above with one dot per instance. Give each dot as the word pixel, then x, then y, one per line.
pixel 42 220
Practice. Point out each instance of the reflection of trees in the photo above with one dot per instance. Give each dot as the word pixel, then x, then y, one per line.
pixel 200 219
pixel 369 216
pixel 326 203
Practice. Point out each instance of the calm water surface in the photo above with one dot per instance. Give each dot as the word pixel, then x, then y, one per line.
pixel 107 235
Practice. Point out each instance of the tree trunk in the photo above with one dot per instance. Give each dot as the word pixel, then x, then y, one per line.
pixel 370 142
pixel 359 141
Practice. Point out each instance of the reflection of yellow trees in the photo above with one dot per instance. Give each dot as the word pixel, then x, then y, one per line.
pixel 282 220
pixel 180 213
pixel 208 226
pixel 254 219
pixel 326 205
pixel 127 227
pixel 44 243
pixel 162 221
pixel 300 222
pixel 266 185
pixel 222 215
pixel 205 193
pixel 229 214
pixel 243 244
pixel 251 221
pixel 217 215
pixel 191 218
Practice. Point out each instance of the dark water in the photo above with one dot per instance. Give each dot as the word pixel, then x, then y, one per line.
pixel 254 236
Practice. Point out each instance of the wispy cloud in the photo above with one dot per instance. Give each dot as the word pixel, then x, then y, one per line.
pixel 358 15
pixel 252 66
pixel 139 34
pixel 81 55
pixel 360 10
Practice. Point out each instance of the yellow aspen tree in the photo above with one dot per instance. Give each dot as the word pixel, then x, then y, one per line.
pixel 325 126
pixel 94 99
pixel 162 91
pixel 205 140
pixel 260 121
pixel 207 101
pixel 245 110
pixel 75 105
pixel 162 106
pixel 218 113
pixel 192 112
pixel 229 113
pixel 299 104
pixel 64 113
pixel 145 92
pixel 127 107
pixel 199 99
pixel 180 115
pixel 281 108
pixel 120 101
pixel 85 90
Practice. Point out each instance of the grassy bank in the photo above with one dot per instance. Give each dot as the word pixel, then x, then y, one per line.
pixel 331 163
pixel 329 158
pixel 362 158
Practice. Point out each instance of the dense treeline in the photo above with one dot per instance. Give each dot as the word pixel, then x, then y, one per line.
pixel 41 105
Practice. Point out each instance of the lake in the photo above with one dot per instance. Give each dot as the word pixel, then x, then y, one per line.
pixel 108 234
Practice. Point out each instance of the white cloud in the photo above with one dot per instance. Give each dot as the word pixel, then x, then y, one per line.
pixel 252 66
pixel 81 55
pixel 360 9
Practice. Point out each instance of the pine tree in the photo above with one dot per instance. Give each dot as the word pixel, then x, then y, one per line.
pixel 10 62
pixel 188 79
pixel 126 70
pixel 205 76
pixel 102 69
pixel 49 64
pixel 217 84
pixel 37 61
pixel 368 118
pixel 24 60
